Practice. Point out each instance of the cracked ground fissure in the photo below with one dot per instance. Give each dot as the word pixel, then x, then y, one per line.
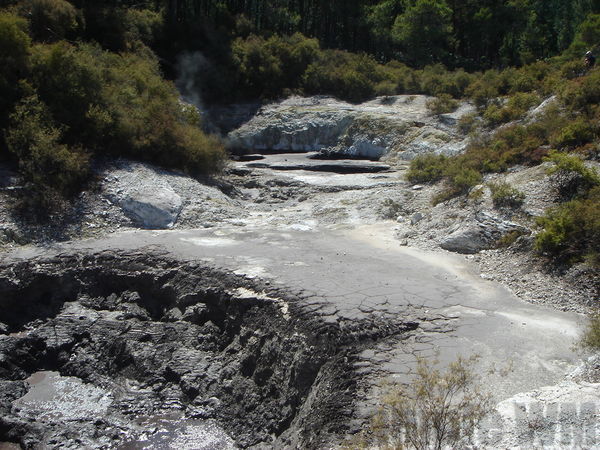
pixel 285 367
pixel 157 335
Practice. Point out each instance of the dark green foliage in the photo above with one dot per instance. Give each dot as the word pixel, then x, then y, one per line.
pixel 572 176
pixel 575 134
pixel 459 176
pixel 475 35
pixel 571 231
pixel 345 75
pixel 582 94
pixel 43 159
pixel 14 61
pixel 69 80
pixel 468 123
pixel 424 32
pixel 119 28
pixel 587 37
pixel 515 108
pixel 442 104
pixel 52 20
pixel 63 102
pixel 427 167
pixel 266 67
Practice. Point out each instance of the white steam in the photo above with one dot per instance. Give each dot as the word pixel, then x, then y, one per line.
pixel 190 67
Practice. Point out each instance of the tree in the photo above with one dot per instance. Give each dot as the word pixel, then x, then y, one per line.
pixel 424 32
pixel 14 60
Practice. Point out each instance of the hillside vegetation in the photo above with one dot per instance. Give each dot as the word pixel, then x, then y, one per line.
pixel 85 79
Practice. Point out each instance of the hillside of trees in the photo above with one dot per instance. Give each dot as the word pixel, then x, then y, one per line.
pixel 81 79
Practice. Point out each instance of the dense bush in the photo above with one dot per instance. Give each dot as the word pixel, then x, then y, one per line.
pixel 43 159
pixel 267 67
pixel 427 167
pixel 468 123
pixel 431 167
pixel 442 104
pixel 481 92
pixel 62 103
pixel 582 94
pixel 348 76
pixel 122 28
pixel 571 231
pixel 572 176
pixel 15 46
pixel 437 80
pixel 52 20
pixel 515 108
pixel 575 134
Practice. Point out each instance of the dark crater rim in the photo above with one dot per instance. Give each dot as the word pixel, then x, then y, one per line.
pixel 295 368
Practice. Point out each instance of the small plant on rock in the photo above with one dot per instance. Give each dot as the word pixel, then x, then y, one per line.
pixel 442 104
pixel 504 195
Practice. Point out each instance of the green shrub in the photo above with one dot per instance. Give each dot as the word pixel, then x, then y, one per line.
pixel 347 76
pixel 528 78
pixel 69 80
pixel 508 239
pixel 468 123
pixel 462 177
pixel 481 93
pixel 563 162
pixel 572 69
pixel 571 231
pixel 386 88
pixel 43 159
pixel 266 67
pixel 515 108
pixel 582 95
pixel 504 195
pixel 575 134
pixel 442 104
pixel 427 167
pixel 118 28
pixel 15 46
pixel 587 36
pixel 119 104
pixel 52 20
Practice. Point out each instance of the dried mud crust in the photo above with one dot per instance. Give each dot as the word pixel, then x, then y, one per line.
pixel 162 335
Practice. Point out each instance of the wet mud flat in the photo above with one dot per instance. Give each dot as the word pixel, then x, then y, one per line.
pixel 141 350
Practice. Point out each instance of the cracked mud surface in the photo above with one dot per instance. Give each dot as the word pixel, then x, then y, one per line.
pixel 318 242
pixel 137 337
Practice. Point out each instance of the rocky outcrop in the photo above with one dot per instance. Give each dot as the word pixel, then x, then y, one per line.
pixel 483 234
pixel 148 200
pixel 400 125
pixel 152 207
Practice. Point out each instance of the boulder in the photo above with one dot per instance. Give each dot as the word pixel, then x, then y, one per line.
pixel 466 240
pixel 483 234
pixel 152 207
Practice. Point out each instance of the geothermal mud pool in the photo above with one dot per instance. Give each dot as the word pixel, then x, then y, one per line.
pixel 137 350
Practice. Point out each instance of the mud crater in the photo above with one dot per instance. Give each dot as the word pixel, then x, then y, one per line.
pixel 158 336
